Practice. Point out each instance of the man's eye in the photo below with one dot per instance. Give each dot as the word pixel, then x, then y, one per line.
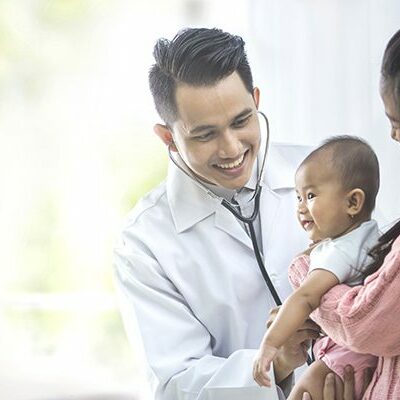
pixel 310 196
pixel 205 137
pixel 241 122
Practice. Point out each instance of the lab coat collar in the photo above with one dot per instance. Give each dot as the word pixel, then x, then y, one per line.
pixel 190 204
pixel 280 167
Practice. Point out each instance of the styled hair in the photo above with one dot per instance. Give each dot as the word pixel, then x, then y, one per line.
pixel 197 57
pixel 356 164
pixel 390 69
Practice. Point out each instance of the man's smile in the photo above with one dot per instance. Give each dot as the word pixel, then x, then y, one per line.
pixel 235 164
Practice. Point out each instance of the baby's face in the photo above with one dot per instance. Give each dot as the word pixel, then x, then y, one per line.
pixel 322 201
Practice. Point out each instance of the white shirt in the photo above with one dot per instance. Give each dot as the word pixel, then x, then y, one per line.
pixel 192 296
pixel 244 198
pixel 347 256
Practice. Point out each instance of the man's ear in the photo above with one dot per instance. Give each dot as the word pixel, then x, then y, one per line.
pixel 164 133
pixel 355 202
pixel 256 96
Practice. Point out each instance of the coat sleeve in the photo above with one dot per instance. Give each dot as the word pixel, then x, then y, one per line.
pixel 177 346
pixel 364 318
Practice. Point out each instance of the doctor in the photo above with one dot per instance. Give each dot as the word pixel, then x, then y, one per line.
pixel 186 272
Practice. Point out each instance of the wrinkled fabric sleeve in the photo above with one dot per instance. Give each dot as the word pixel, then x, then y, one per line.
pixel 177 346
pixel 363 318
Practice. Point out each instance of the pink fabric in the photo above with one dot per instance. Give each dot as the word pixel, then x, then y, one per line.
pixel 325 349
pixel 337 357
pixel 366 319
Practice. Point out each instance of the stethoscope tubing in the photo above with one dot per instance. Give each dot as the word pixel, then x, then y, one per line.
pixel 249 221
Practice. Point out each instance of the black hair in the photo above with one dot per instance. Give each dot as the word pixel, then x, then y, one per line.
pixel 197 57
pixel 356 164
pixel 390 71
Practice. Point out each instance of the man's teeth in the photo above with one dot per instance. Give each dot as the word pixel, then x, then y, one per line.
pixel 232 165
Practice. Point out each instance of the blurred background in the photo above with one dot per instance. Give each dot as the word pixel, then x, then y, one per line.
pixel 77 151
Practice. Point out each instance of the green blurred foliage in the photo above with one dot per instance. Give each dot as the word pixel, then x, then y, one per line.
pixel 37 330
pixel 43 259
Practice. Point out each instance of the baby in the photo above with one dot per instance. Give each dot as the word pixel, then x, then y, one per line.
pixel 336 188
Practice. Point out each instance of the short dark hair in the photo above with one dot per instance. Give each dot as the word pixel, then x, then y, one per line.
pixel 390 68
pixel 356 163
pixel 197 57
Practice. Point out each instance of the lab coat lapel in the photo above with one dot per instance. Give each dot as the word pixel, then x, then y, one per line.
pixel 191 204
pixel 228 223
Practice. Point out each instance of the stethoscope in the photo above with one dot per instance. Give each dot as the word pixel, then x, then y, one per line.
pixel 235 210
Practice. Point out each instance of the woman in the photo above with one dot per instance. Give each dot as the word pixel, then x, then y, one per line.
pixel 366 318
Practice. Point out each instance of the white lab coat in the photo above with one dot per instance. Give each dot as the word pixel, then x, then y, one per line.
pixel 189 282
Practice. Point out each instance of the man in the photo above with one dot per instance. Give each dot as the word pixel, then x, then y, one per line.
pixel 185 266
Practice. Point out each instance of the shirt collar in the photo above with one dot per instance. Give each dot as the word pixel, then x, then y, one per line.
pixel 228 194
pixel 190 203
pixel 282 162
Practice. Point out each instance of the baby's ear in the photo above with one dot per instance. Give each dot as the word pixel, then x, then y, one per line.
pixel 355 202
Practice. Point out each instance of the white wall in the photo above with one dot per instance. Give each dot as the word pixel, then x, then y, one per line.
pixel 317 64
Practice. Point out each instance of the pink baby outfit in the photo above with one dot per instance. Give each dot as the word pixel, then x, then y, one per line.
pixel 366 319
pixel 325 349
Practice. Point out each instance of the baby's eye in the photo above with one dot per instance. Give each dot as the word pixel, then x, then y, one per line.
pixel 298 198
pixel 310 196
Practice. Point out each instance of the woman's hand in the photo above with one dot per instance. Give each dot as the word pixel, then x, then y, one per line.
pixel 332 389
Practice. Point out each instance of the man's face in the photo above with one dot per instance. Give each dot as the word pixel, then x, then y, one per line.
pixel 217 132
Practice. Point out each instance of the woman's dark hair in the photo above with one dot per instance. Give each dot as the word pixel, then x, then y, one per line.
pixel 382 249
pixel 390 71
pixel 197 57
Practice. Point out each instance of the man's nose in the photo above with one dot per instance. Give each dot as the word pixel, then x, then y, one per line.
pixel 229 145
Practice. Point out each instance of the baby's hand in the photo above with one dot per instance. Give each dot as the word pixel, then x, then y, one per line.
pixel 262 364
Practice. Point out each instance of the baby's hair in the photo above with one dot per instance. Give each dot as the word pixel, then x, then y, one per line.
pixel 356 164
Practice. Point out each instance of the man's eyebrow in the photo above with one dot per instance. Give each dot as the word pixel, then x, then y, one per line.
pixel 242 114
pixel 202 128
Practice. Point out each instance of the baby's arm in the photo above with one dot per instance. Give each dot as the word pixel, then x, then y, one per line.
pixel 294 311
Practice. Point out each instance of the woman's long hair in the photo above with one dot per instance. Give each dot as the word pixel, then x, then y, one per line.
pixel 390 72
pixel 382 249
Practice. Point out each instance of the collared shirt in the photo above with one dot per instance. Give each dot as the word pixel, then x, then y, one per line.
pixel 244 197
pixel 185 268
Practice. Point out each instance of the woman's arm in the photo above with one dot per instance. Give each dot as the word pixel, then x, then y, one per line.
pixel 363 318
